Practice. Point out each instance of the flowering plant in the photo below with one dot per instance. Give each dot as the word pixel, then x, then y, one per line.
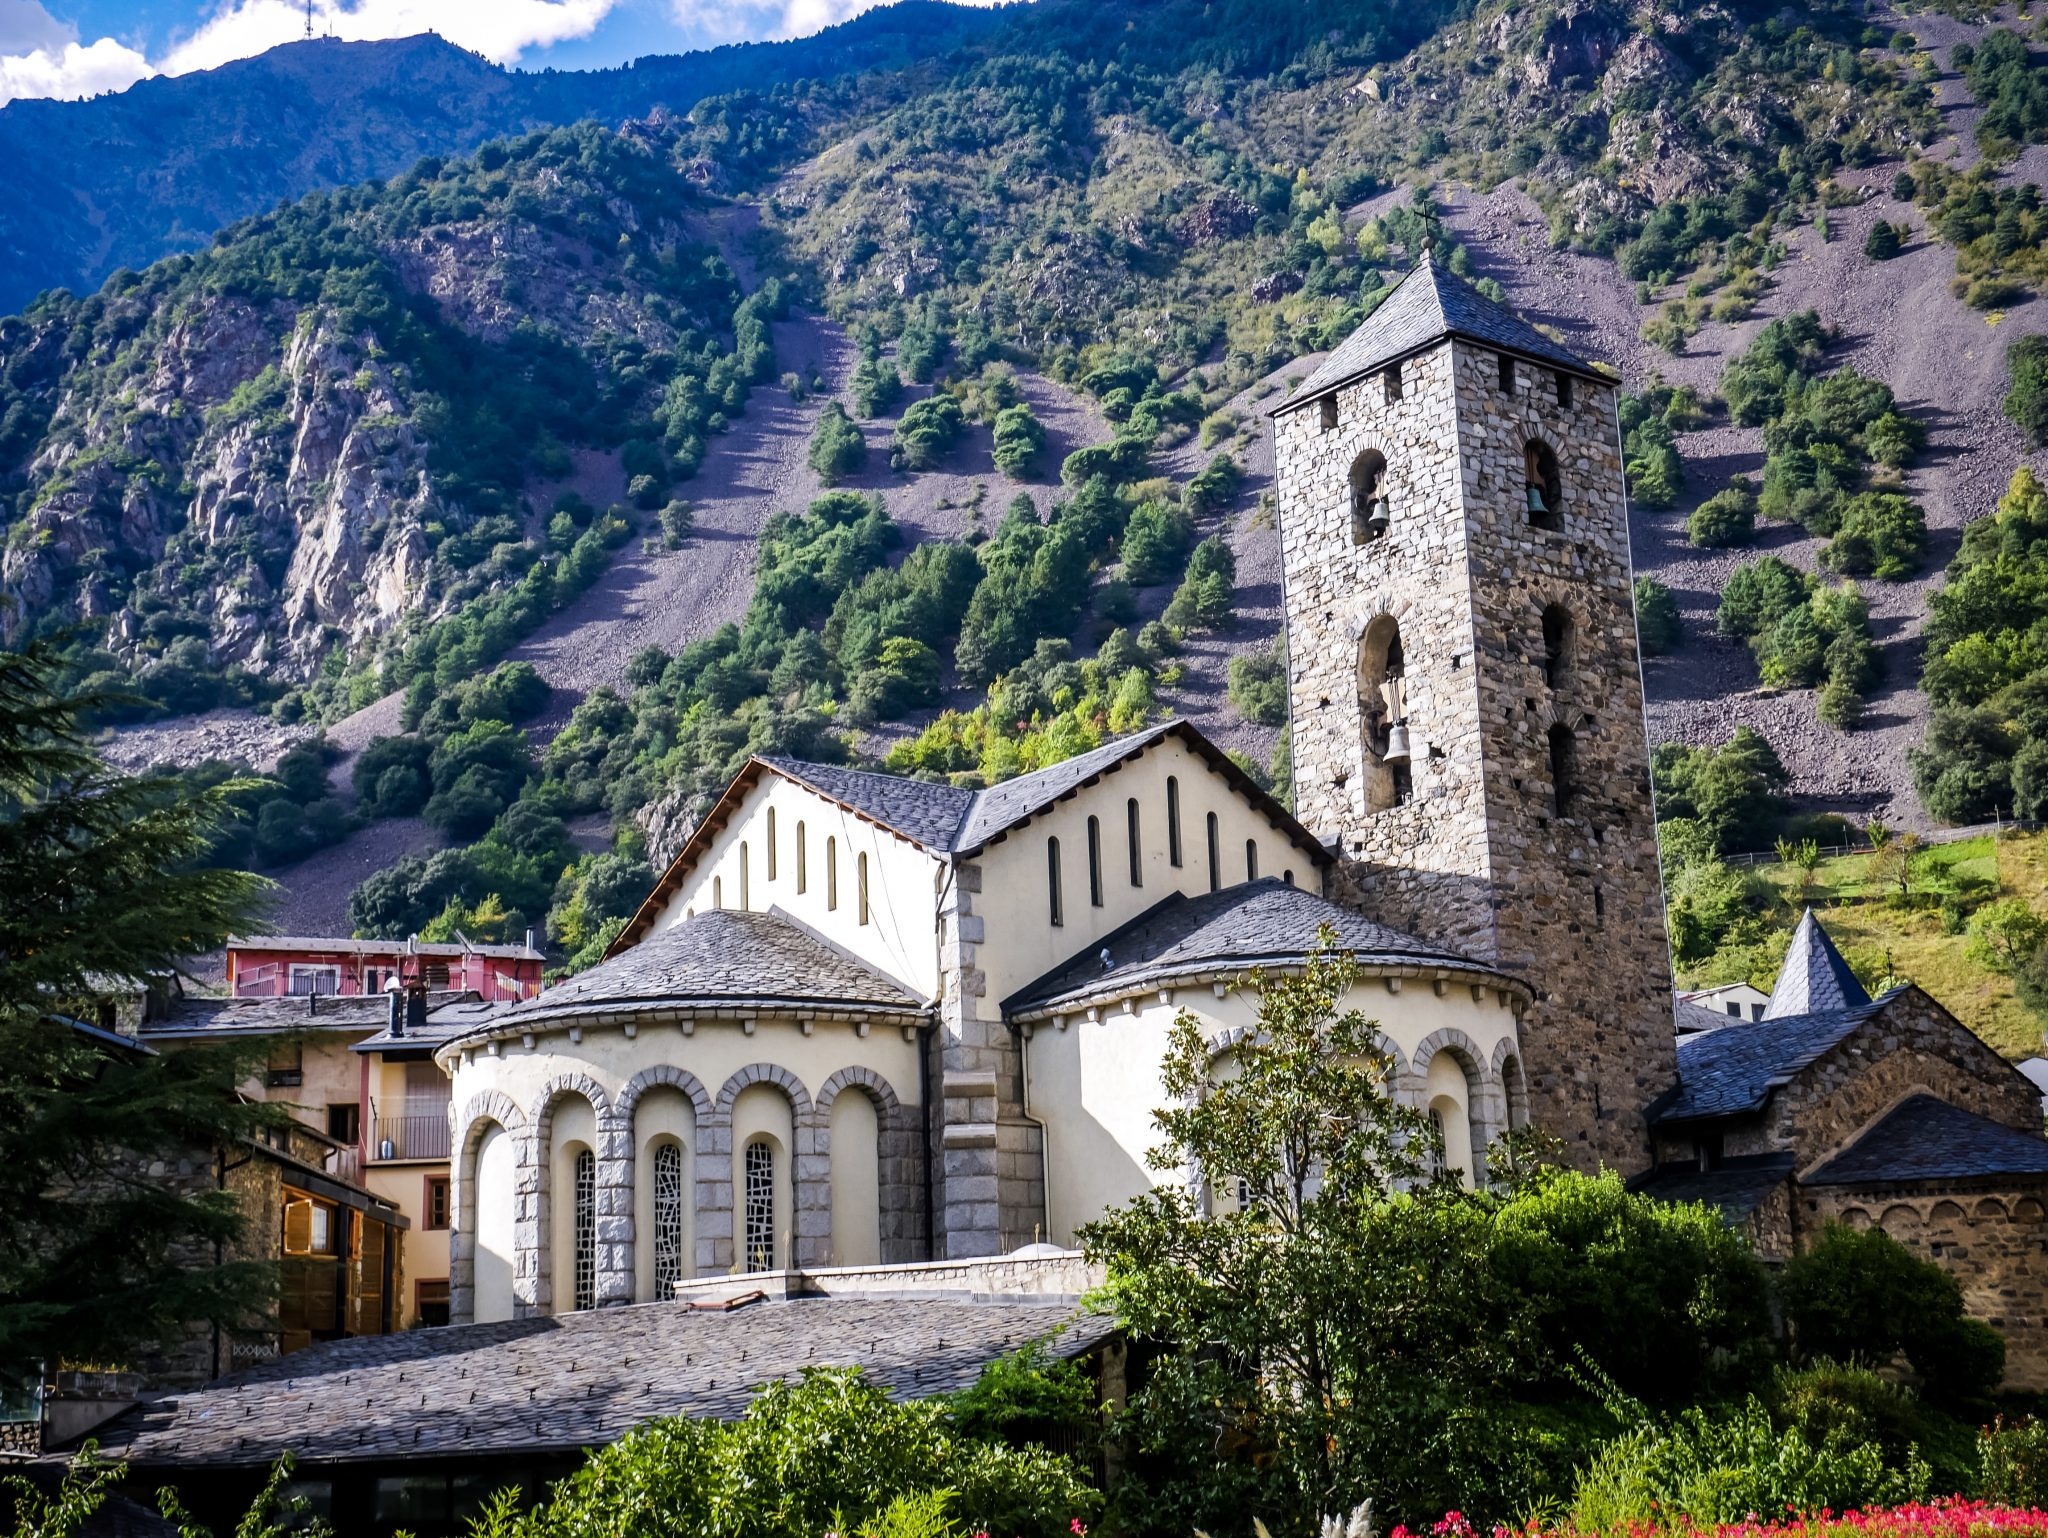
pixel 1951 1517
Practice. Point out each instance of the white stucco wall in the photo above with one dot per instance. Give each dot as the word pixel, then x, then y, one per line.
pixel 574 1131
pixel 1022 943
pixel 762 1114
pixel 1095 1085
pixel 856 1182
pixel 900 938
pixel 497 1171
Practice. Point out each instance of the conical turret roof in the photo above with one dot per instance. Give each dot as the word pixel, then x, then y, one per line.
pixel 1815 980
pixel 1428 305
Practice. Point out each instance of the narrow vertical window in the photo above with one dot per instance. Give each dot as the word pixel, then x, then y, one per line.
pixel 1392 379
pixel 831 873
pixel 718 891
pixel 760 1211
pixel 1251 859
pixel 1215 855
pixel 1137 846
pixel 1173 820
pixel 586 1229
pixel 802 869
pixel 1507 374
pixel 1564 390
pixel 1564 769
pixel 668 1219
pixel 746 886
pixel 1094 862
pixel 860 881
pixel 1052 883
pixel 771 843
pixel 1327 413
pixel 1599 903
pixel 1287 876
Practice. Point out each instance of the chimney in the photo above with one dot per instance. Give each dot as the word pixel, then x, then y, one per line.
pixel 397 1021
pixel 529 941
pixel 416 1007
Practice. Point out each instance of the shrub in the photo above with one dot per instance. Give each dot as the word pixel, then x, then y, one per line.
pixel 1156 536
pixel 1206 597
pixel 929 429
pixel 1735 792
pixel 1882 243
pixel 1861 1295
pixel 2026 403
pixel 1258 685
pixel 876 387
pixel 1726 518
pixel 2013 1463
pixel 837 447
pixel 1019 439
pixel 390 777
pixel 678 522
pixel 1881 534
pixel 1657 624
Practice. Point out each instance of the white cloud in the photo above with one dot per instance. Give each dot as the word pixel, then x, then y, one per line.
pixel 70 70
pixel 498 29
pixel 25 27
pixel 736 20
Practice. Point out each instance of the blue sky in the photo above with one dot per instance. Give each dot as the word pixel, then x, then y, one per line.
pixel 75 48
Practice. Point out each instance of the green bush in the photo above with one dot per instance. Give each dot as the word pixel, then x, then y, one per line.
pixel 2013 1463
pixel 1726 518
pixel 1860 1295
pixel 1156 538
pixel 876 387
pixel 2026 403
pixel 1258 685
pixel 1658 627
pixel 1207 596
pixel 1019 439
pixel 926 434
pixel 1881 534
pixel 1730 1466
pixel 678 523
pixel 1734 792
pixel 1882 243
pixel 390 777
pixel 837 447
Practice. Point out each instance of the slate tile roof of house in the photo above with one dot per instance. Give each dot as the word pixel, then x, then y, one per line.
pixel 574 1380
pixel 1426 306
pixel 281 1015
pixel 1259 923
pixel 1814 979
pixel 719 958
pixel 923 811
pixel 1923 1138
pixel 1732 1070
pixel 1737 1187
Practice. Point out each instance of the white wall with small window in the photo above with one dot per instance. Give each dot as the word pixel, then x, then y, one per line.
pixel 763 1176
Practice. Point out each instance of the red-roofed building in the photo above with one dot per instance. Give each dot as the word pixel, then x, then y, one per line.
pixel 277 966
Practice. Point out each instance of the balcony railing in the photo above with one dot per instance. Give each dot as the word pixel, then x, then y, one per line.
pixel 419 1134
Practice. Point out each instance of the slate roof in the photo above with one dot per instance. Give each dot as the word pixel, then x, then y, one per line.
pixel 574 1380
pixel 1732 1070
pixel 1258 923
pixel 1690 1018
pixel 1928 1139
pixel 328 945
pixel 926 813
pixel 717 958
pixel 458 1017
pixel 1428 305
pixel 281 1016
pixel 1737 1187
pixel 1814 979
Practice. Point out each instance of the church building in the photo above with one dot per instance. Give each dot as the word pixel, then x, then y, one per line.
pixel 864 1020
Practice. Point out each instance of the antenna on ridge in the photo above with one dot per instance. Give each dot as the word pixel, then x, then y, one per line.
pixel 309 20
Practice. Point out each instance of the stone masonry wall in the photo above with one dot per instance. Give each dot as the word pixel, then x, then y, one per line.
pixel 1479 859
pixel 1992 1239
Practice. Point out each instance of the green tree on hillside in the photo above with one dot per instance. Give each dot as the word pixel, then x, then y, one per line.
pixel 104 890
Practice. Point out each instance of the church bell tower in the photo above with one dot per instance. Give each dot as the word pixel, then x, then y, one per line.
pixel 1466 694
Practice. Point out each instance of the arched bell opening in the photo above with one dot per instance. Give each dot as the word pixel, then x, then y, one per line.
pixel 1371 512
pixel 1543 490
pixel 1383 710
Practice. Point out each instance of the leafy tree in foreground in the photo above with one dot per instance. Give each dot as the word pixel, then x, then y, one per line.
pixel 102 889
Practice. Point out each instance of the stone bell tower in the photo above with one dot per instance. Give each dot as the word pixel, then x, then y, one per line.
pixel 1466 694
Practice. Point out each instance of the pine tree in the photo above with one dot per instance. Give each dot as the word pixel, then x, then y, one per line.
pixel 1882 243
pixel 101 890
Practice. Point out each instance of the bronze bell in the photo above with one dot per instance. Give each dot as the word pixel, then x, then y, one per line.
pixel 1397 743
pixel 1536 503
pixel 1376 518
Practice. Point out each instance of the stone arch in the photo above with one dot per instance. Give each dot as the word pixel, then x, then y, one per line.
pixel 1482 1111
pixel 486 1109
pixel 1856 1218
pixel 901 1172
pixel 2028 1210
pixel 717 1212
pixel 536 1254
pixel 1901 1222
pixel 1371 507
pixel 1989 1207
pixel 617 1170
pixel 1511 1079
pixel 1383 715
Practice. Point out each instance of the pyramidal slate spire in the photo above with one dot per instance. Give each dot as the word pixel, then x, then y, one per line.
pixel 1426 306
pixel 1815 980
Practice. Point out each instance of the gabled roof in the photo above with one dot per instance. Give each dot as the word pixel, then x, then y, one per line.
pixel 1732 1071
pixel 1263 923
pixel 1426 306
pixel 1923 1138
pixel 951 821
pixel 1737 1187
pixel 718 959
pixel 1814 979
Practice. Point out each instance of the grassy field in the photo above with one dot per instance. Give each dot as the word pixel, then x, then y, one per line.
pixel 1880 937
